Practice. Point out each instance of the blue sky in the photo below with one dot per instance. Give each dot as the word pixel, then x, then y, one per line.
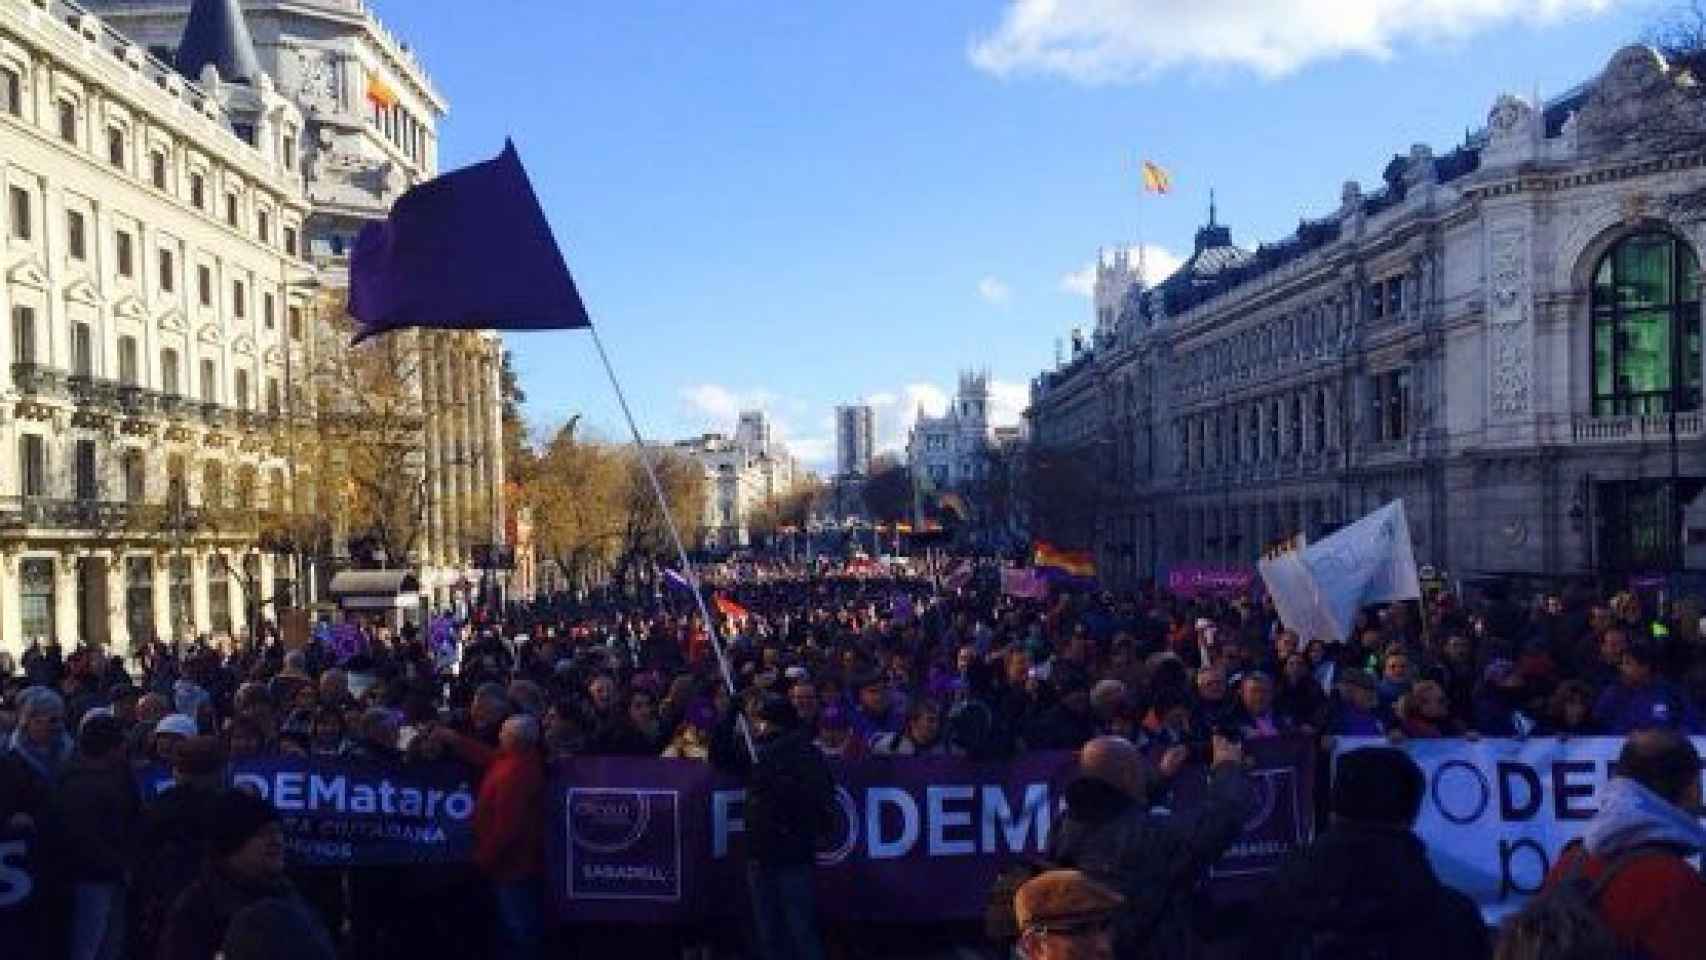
pixel 794 205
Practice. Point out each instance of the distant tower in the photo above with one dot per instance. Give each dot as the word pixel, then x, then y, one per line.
pixel 1112 282
pixel 974 396
pixel 855 439
pixel 752 434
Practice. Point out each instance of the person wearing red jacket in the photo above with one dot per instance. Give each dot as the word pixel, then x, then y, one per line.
pixel 509 837
pixel 1655 904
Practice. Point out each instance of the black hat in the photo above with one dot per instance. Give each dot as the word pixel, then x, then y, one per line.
pixel 1379 785
pixel 237 816
pixel 778 712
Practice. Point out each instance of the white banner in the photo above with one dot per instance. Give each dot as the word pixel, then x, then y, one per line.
pixel 1318 588
pixel 1497 812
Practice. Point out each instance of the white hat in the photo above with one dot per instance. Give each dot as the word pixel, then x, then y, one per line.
pixel 180 724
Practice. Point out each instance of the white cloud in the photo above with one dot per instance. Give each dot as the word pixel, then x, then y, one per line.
pixel 1121 41
pixel 721 405
pixel 1158 264
pixel 1007 402
pixel 992 290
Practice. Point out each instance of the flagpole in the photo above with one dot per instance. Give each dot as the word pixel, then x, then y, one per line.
pixel 674 535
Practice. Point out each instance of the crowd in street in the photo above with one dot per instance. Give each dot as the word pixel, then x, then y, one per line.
pixel 841 667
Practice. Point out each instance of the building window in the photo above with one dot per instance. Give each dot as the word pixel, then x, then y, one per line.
pixel 179 593
pixel 76 240
pixel 32 460
pixel 204 285
pixel 157 169
pixel 1274 430
pixel 198 191
pixel 218 594
pixel 209 381
pixel 1395 296
pixel 272 396
pixel 1392 405
pixel 1237 438
pixel 213 484
pixel 127 364
pixel 139 595
pixel 239 299
pixel 289 152
pixel 268 308
pixel 36 603
pixel 85 475
pixel 168 271
pixel 12 91
pixel 263 227
pixel 115 147
pixel 1256 433
pixel 295 317
pixel 20 213
pixel 1376 300
pixel 68 121
pixel 126 255
pixel 169 371
pixel 290 240
pixel 82 350
pixel 1646 327
pixel 135 476
pixel 231 209
pixel 240 384
pixel 23 335
pixel 1320 420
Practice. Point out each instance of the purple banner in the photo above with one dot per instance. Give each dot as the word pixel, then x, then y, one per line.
pixel 1193 581
pixel 918 839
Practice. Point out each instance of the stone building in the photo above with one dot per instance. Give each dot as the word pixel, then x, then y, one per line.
pixel 950 452
pixel 742 475
pixel 165 256
pixel 1505 335
pixel 370 115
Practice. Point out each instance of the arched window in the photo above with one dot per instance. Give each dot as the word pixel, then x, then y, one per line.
pixel 1646 327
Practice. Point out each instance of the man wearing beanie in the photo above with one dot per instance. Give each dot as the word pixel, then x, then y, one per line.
pixel 1365 887
pixel 97 815
pixel 790 795
pixel 245 865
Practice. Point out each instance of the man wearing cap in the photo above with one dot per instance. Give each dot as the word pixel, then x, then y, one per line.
pixel 1065 915
pixel 1365 888
pixel 1153 860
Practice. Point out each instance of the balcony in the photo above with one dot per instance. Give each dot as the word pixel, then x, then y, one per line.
pixel 136 401
pixel 52 513
pixel 36 380
pixel 90 391
pixel 1634 428
pixel 213 414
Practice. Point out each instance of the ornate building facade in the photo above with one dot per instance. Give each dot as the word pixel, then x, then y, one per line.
pixel 169 234
pixel 742 475
pixel 370 131
pixel 950 452
pixel 1506 336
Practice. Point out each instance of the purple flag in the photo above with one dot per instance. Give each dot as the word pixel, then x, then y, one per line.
pixel 468 250
pixel 676 578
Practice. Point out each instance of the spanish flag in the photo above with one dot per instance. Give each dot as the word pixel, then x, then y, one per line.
pixel 385 97
pixel 1155 179
pixel 729 608
pixel 1077 563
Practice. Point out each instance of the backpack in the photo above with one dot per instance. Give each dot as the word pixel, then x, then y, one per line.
pixel 1563 921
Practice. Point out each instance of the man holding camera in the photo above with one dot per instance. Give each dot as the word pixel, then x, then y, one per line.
pixel 1155 860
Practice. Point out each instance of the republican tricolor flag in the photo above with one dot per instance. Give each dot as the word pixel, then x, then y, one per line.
pixel 729 608
pixel 1155 179
pixel 1076 563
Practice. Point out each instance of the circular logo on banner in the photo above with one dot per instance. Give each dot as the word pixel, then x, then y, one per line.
pixel 843 831
pixel 1267 797
pixel 609 821
pixel 1461 792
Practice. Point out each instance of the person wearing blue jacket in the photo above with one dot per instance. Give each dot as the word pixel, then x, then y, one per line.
pixel 1641 699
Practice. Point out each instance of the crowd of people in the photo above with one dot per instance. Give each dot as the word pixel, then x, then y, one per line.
pixel 837 667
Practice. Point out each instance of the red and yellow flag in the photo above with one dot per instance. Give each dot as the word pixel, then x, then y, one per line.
pixel 1077 563
pixel 1155 179
pixel 729 608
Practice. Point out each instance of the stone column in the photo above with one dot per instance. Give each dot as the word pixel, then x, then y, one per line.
pixel 11 618
pixel 118 627
pixel 65 599
pixel 163 596
pixel 202 615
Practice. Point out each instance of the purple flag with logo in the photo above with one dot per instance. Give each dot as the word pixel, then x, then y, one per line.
pixel 468 250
